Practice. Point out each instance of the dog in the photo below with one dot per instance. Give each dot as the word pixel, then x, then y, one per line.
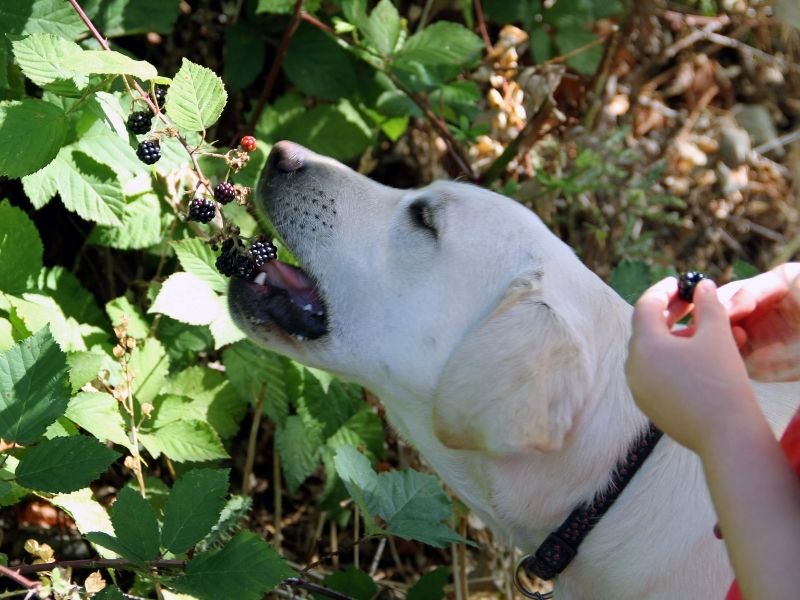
pixel 497 354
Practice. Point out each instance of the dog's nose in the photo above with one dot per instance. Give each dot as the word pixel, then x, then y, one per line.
pixel 287 157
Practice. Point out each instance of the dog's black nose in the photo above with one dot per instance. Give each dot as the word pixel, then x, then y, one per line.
pixel 287 157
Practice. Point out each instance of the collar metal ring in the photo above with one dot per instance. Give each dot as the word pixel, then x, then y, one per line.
pixel 523 588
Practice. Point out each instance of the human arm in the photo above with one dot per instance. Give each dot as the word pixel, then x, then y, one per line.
pixel 696 389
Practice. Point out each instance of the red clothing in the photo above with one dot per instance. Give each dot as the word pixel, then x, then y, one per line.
pixel 790 442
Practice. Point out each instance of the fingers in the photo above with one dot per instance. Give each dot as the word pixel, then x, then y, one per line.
pixel 651 315
pixel 709 313
pixel 760 292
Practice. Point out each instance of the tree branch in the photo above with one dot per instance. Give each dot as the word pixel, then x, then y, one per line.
pixel 18 578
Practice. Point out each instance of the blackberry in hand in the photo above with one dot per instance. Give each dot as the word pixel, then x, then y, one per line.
pixel 262 251
pixel 202 210
pixel 224 193
pixel 686 284
pixel 149 151
pixel 139 122
pixel 160 95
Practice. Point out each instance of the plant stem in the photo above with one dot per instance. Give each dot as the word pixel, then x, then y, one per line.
pixel 18 578
pixel 251 442
pixel 280 54
pixel 479 16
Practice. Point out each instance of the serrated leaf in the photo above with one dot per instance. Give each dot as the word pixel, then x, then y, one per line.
pixel 337 131
pixel 196 97
pixel 408 495
pixel 135 525
pixel 42 58
pixel 64 464
pixel 116 309
pixel 298 448
pixel 74 300
pixel 434 534
pixel 185 441
pixel 443 43
pixel 141 226
pixel 20 248
pixel 41 16
pixel 34 388
pixel 253 370
pixel 31 135
pixel 382 28
pixel 318 66
pixel 87 513
pixel 352 581
pixel 284 7
pixel 197 257
pixel 359 478
pixel 98 413
pixel 108 62
pixel 37 311
pixel 230 519
pixel 224 330
pixel 245 569
pixel 430 586
pixel 193 508
pixel 187 298
pixel 149 365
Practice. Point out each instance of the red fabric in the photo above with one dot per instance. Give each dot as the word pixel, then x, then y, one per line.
pixel 790 442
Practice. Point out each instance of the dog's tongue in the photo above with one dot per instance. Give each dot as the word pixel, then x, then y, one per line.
pixel 299 285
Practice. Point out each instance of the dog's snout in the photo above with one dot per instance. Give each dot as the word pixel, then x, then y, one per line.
pixel 287 157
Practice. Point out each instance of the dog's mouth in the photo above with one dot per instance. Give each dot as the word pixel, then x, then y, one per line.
pixel 285 296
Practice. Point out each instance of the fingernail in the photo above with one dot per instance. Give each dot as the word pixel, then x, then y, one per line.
pixel 706 286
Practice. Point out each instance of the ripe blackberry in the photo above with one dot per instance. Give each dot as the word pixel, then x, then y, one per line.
pixel 224 192
pixel 244 267
pixel 160 95
pixel 686 284
pixel 139 122
pixel 248 142
pixel 202 210
pixel 226 261
pixel 262 251
pixel 149 151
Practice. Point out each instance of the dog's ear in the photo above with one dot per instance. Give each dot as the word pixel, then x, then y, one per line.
pixel 516 381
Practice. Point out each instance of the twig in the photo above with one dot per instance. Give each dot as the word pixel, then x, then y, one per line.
pixel 317 589
pixel 778 142
pixel 280 54
pixel 377 558
pixel 277 492
pixel 581 49
pixel 479 16
pixel 426 12
pixel 251 442
pixel 32 586
pixel 98 563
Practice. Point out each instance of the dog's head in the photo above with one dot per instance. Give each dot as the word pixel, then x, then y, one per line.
pixel 449 292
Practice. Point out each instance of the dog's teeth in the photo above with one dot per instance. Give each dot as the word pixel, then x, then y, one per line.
pixel 319 313
pixel 307 308
pixel 261 278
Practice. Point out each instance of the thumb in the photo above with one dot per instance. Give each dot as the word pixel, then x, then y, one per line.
pixel 709 312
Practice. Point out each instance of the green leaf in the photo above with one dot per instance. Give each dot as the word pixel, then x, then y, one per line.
pixel 442 43
pixel 31 135
pixel 434 534
pixel 34 388
pixel 37 311
pixel 64 464
pixel 86 187
pixel 382 28
pixel 278 114
pixel 245 569
pixel 128 17
pixel 253 371
pixel 193 508
pixel 110 592
pixel 337 131
pixel 298 448
pixel 318 66
pixel 150 366
pixel 743 269
pixel 571 38
pixel 187 298
pixel 630 278
pixel 352 581
pixel 45 58
pixel 75 300
pixel 41 16
pixel 285 7
pixel 135 528
pixel 197 257
pixel 359 478
pixel 141 226
pixel 196 97
pixel 108 63
pixel 185 441
pixel 20 248
pixel 430 586
pixel 233 515
pixel 88 513
pixel 243 55
pixel 98 413
pixel 407 494
pixel 138 327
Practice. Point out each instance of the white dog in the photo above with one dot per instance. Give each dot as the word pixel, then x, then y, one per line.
pixel 497 354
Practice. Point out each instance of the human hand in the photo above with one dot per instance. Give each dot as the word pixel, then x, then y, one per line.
pixel 765 317
pixel 693 383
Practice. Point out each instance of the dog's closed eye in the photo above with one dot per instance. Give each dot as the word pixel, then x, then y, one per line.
pixel 422 215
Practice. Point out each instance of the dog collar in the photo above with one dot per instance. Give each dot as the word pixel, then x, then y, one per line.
pixel 561 546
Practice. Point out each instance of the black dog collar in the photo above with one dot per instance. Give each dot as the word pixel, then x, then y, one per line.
pixel 561 546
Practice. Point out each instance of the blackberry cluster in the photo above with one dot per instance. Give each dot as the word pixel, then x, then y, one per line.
pixel 149 151
pixel 232 262
pixel 263 251
pixel 202 210
pixel 139 122
pixel 160 95
pixel 224 193
pixel 686 284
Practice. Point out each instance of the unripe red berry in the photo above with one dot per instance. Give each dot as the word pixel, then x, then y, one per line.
pixel 248 143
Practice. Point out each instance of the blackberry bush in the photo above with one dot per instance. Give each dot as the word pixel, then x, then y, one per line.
pixel 224 193
pixel 202 210
pixel 139 122
pixel 149 151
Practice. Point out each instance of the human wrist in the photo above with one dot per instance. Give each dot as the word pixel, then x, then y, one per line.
pixel 734 428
